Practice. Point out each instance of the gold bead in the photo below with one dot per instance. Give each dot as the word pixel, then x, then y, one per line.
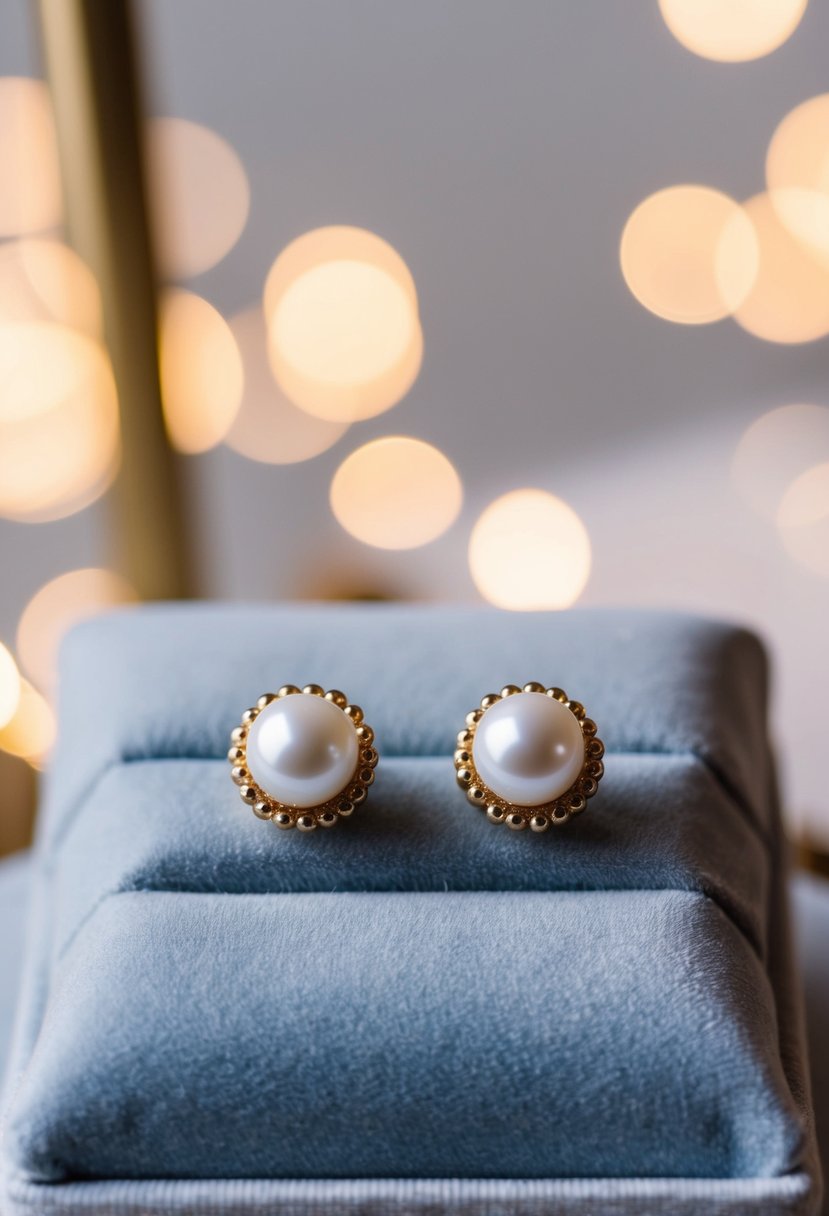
pixel 345 807
pixel 474 716
pixel 509 690
pixel 464 776
pixel 313 690
pixel 326 819
pixel 240 775
pixel 534 686
pixel 558 694
pixel 365 734
pixel 539 823
pixel 306 823
pixel 357 794
pixel 465 738
pixel 369 756
pixel 576 708
pixel 339 698
pixel 514 820
pixel 588 727
pixel 250 715
pixel 462 756
pixel 595 749
pixel 283 819
pixel 236 754
pixel 560 816
pixel 263 810
pixel 476 795
pixel 588 786
pixel 354 713
pixel 287 690
pixel 366 776
pixel 577 803
pixel 594 768
pixel 248 793
pixel 238 734
pixel 491 698
pixel 265 699
pixel 495 813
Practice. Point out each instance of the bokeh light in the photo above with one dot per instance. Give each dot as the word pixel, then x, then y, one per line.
pixel 202 378
pixel 775 450
pixel 732 31
pixel 789 299
pixel 803 519
pixel 31 732
pixel 336 243
pixel 797 172
pixel 58 449
pixel 41 364
pixel 9 686
pixel 55 608
pixel 30 198
pixel 199 196
pixel 689 254
pixel 345 341
pixel 529 551
pixel 396 493
pixel 268 427
pixel 44 280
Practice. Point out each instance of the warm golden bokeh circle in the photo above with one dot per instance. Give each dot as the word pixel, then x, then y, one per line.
pixel 59 444
pixel 528 551
pixel 396 493
pixel 41 365
pixel 44 280
pixel 202 378
pixel 30 198
pixel 198 193
pixel 56 607
pixel 689 254
pixel 336 243
pixel 344 335
pixel 268 427
pixel 789 299
pixel 31 732
pixel 797 173
pixel 9 686
pixel 732 31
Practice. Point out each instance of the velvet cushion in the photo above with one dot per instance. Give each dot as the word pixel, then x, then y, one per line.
pixel 416 995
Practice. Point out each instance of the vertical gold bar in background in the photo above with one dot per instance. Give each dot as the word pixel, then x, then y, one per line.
pixel 90 62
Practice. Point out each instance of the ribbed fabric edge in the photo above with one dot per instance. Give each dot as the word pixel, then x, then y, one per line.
pixel 413 1197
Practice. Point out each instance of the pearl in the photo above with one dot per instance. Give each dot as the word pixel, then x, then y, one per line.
pixel 528 749
pixel 302 750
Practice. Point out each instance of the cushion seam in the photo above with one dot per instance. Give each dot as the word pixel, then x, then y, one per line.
pixel 726 787
pixel 699 892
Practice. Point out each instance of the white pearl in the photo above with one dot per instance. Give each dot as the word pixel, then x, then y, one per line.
pixel 302 750
pixel 528 748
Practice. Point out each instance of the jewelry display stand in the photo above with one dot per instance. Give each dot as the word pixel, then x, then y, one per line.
pixel 416 1011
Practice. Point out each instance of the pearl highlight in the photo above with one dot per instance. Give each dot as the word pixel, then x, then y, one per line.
pixel 529 749
pixel 302 750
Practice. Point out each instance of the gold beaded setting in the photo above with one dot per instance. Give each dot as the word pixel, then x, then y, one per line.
pixel 304 819
pixel 537 818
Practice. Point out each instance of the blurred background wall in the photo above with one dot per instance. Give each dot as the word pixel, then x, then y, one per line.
pixel 678 412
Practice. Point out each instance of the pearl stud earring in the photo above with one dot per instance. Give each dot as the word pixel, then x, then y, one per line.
pixel 529 757
pixel 303 758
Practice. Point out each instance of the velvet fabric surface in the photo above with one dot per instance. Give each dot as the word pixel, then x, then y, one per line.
pixel 416 1004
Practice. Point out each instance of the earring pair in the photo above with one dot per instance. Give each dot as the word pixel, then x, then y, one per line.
pixel 527 756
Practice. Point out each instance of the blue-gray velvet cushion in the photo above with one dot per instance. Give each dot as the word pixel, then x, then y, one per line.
pixel 417 994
